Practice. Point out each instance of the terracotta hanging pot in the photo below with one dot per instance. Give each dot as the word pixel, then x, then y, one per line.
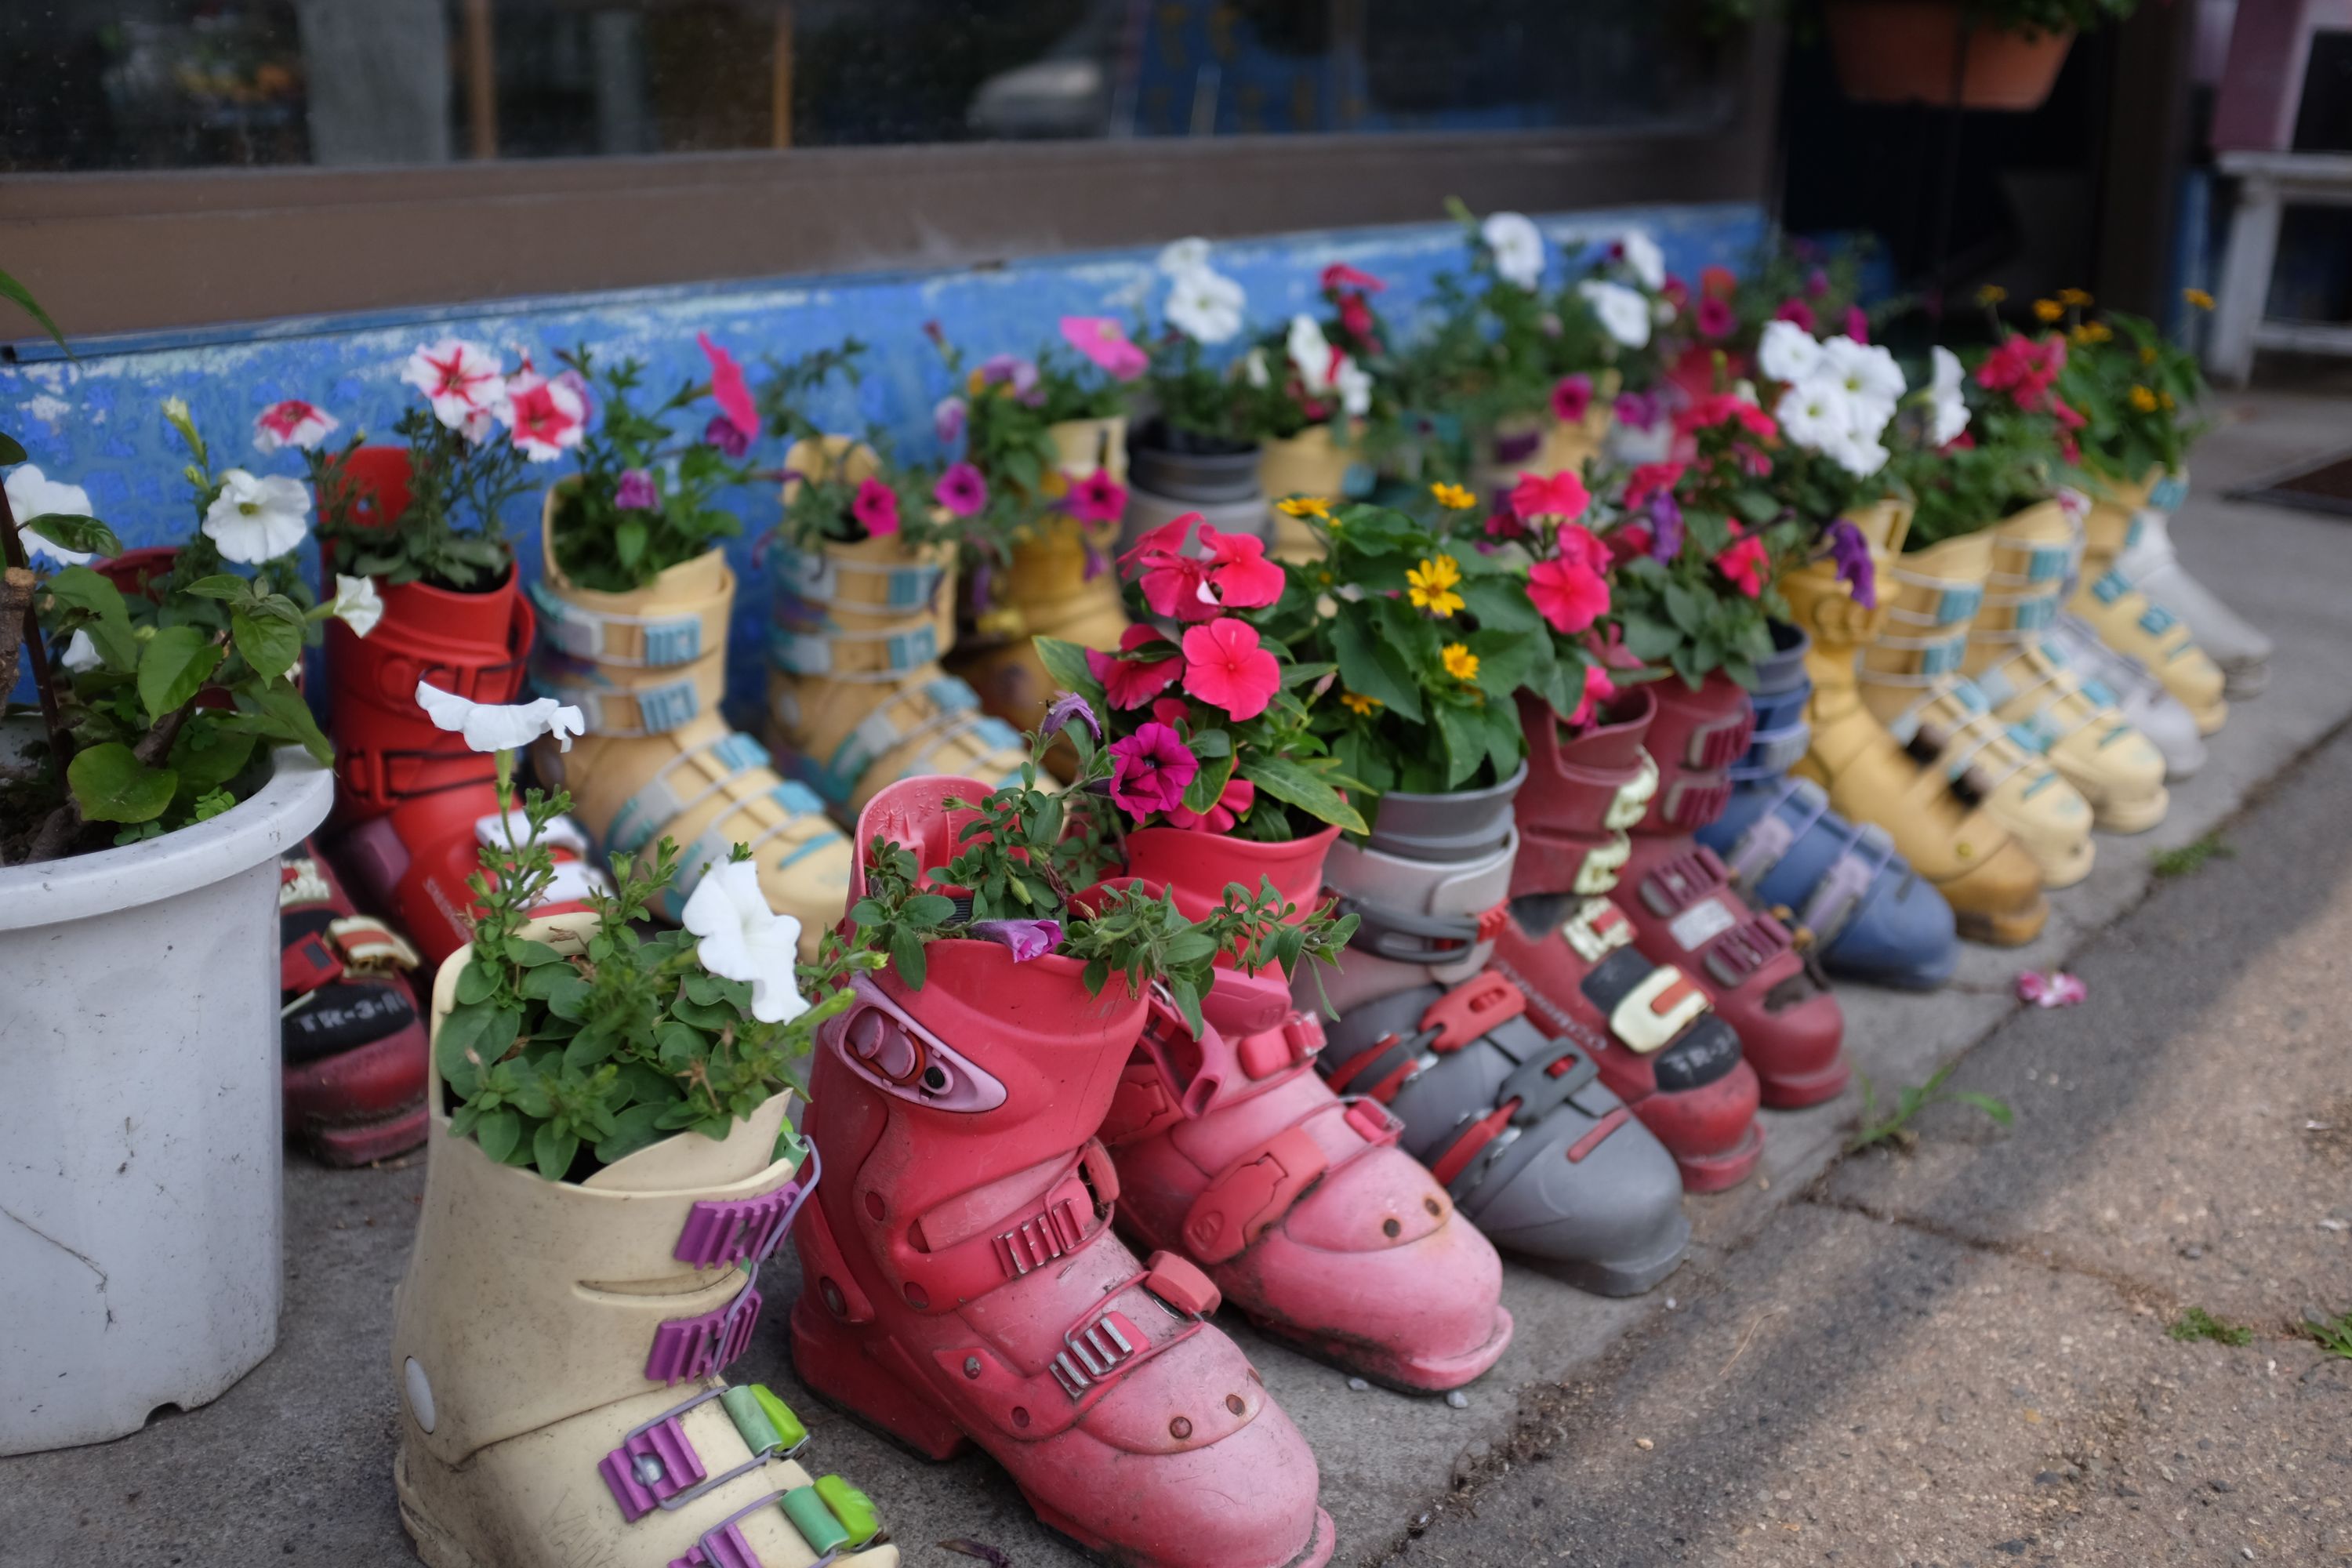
pixel 1905 51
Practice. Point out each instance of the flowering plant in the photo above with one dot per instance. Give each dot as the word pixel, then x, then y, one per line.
pixel 1192 400
pixel 2135 392
pixel 456 473
pixel 1210 727
pixel 839 491
pixel 1315 372
pixel 640 505
pixel 155 702
pixel 1028 874
pixel 2018 447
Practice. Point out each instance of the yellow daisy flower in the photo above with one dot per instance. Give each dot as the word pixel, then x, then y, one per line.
pixel 2092 332
pixel 2148 354
pixel 1460 662
pixel 1453 498
pixel 2048 309
pixel 2165 398
pixel 1360 705
pixel 2198 298
pixel 1305 506
pixel 1430 586
pixel 1992 294
pixel 2143 399
pixel 2075 297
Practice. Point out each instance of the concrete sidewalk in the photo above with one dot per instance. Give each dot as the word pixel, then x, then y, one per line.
pixel 295 1460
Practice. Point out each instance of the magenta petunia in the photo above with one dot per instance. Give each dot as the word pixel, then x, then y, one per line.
pixel 875 508
pixel 1717 319
pixel 1150 770
pixel 1097 497
pixel 1570 396
pixel 961 489
pixel 635 491
pixel 1027 939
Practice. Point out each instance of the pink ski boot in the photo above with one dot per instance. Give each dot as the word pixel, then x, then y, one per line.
pixel 961 1282
pixel 1232 1152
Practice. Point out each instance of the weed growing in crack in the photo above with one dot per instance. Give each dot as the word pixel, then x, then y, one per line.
pixel 1894 1126
pixel 2190 858
pixel 2196 1323
pixel 2334 1334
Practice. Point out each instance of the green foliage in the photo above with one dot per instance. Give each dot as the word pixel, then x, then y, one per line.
pixel 2138 393
pixel 611 549
pixel 2196 1323
pixel 449 534
pixel 2190 858
pixel 22 298
pixel 2333 1335
pixel 1006 437
pixel 825 474
pixel 1892 1126
pixel 1197 409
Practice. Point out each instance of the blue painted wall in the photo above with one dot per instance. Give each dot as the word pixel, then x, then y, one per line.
pixel 95 421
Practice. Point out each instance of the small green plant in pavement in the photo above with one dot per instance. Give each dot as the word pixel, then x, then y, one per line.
pixel 1892 1124
pixel 2190 858
pixel 2332 1334
pixel 2196 1323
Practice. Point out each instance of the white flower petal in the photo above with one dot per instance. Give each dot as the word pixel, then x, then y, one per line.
pixel 357 604
pixel 1182 256
pixel 256 520
pixel 740 938
pixel 81 653
pixel 1517 247
pixel 1623 314
pixel 1787 352
pixel 489 727
pixel 1644 256
pixel 1310 353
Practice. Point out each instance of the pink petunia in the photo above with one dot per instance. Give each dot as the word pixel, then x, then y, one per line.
pixel 292 423
pixel 1225 668
pixel 1339 275
pixel 1133 682
pixel 1150 770
pixel 1570 595
pixel 1857 323
pixel 1097 497
pixel 1795 310
pixel 461 380
pixel 1239 573
pixel 1562 496
pixel 1570 396
pixel 1579 546
pixel 875 508
pixel 1232 804
pixel 1717 319
pixel 961 489
pixel 729 390
pixel 1743 561
pixel 1102 340
pixel 546 416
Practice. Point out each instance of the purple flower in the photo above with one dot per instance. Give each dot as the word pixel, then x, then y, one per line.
pixel 1817 283
pixel 1027 939
pixel 727 436
pixel 1637 410
pixel 961 489
pixel 1069 705
pixel 635 491
pixel 947 420
pixel 1020 373
pixel 1665 527
pixel 1851 554
pixel 1150 770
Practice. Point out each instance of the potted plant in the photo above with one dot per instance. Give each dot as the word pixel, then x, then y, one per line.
pixel 608 1105
pixel 143 805
pixel 1969 54
pixel 863 569
pixel 1306 394
pixel 1191 452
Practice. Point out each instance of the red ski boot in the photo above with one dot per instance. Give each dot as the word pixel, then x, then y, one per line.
pixel 1686 910
pixel 354 1047
pixel 416 802
pixel 1232 1152
pixel 961 1280
pixel 1648 1028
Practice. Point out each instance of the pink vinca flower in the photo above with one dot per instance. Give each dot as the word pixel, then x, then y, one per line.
pixel 1562 496
pixel 1239 573
pixel 1102 340
pixel 1580 546
pixel 875 508
pixel 548 418
pixel 458 378
pixel 1742 563
pixel 1598 689
pixel 1238 796
pixel 961 489
pixel 1570 595
pixel 292 423
pixel 1133 682
pixel 1150 769
pixel 1225 668
pixel 1097 497
pixel 1570 396
pixel 729 390
pixel 1172 710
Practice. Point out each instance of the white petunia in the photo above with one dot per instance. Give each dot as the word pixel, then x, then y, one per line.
pixel 460 379
pixel 1205 306
pixel 1181 256
pixel 1310 353
pixel 1355 385
pixel 489 727
pixel 1623 314
pixel 80 652
pixel 1643 255
pixel 357 604
pixel 30 495
pixel 1869 372
pixel 743 939
pixel 1815 414
pixel 1254 371
pixel 257 519
pixel 1517 247
pixel 1948 408
pixel 1787 352
pixel 1857 453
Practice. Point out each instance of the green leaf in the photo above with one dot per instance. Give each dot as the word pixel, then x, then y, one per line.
pixel 458 1034
pixel 1997 1108
pixel 291 721
pixel 552 1151
pixel 73 530
pixel 629 537
pixel 1501 604
pixel 12 290
pixel 1293 784
pixel 531 954
pixel 1649 639
pixel 636 1127
pixel 906 957
pixel 268 643
pixel 1466 743
pixel 1687 607
pixel 589 1045
pixel 1066 661
pixel 79 588
pixel 1208 783
pixel 496 1131
pixel 1371 667
pixel 225 587
pixel 206 756
pixel 111 785
pixel 476 983
pixel 173 669
pixel 11 450
pixel 679 1044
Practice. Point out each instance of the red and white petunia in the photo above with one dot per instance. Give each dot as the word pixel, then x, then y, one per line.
pixel 460 379
pixel 548 417
pixel 292 423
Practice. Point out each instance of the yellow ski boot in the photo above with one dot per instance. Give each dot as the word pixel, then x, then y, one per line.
pixel 2031 681
pixel 1308 464
pixel 2133 625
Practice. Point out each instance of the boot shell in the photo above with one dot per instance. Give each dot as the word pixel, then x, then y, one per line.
pixel 962 1282
pixel 2129 621
pixel 2031 681
pixel 2149 562
pixel 529 1341
pixel 1911 677
pixel 2140 697
pixel 1937 823
pixel 1308 464
pixel 1363 1262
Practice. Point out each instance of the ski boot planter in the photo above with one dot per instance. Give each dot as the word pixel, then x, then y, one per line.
pixel 355 1062
pixel 1544 445
pixel 961 1280
pixel 416 805
pixel 855 695
pixel 1911 677
pixel 1176 472
pixel 1935 817
pixel 2030 681
pixel 2132 623
pixel 1059 582
pixel 647 669
pixel 1840 886
pixel 1516 1123
pixel 2140 697
pixel 1349 1249
pixel 1684 910
pixel 1308 466
pixel 2148 564
pixel 1654 1035
pixel 557 1347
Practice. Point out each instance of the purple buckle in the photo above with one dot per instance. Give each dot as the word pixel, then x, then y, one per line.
pixel 652 1465
pixel 696 1347
pixel 722 1548
pixel 744 1229
pixel 1745 949
pixel 1761 847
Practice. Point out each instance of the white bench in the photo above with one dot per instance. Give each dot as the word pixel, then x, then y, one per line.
pixel 2268 183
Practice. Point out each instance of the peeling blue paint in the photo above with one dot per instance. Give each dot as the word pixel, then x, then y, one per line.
pixel 95 421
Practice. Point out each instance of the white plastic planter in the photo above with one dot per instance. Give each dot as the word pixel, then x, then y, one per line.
pixel 140 1210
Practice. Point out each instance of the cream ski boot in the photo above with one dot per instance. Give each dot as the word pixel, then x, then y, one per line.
pixel 1309 464
pixel 557 1348
pixel 856 698
pixel 2133 625
pixel 2147 562
pixel 2030 679
pixel 647 670
pixel 1911 679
